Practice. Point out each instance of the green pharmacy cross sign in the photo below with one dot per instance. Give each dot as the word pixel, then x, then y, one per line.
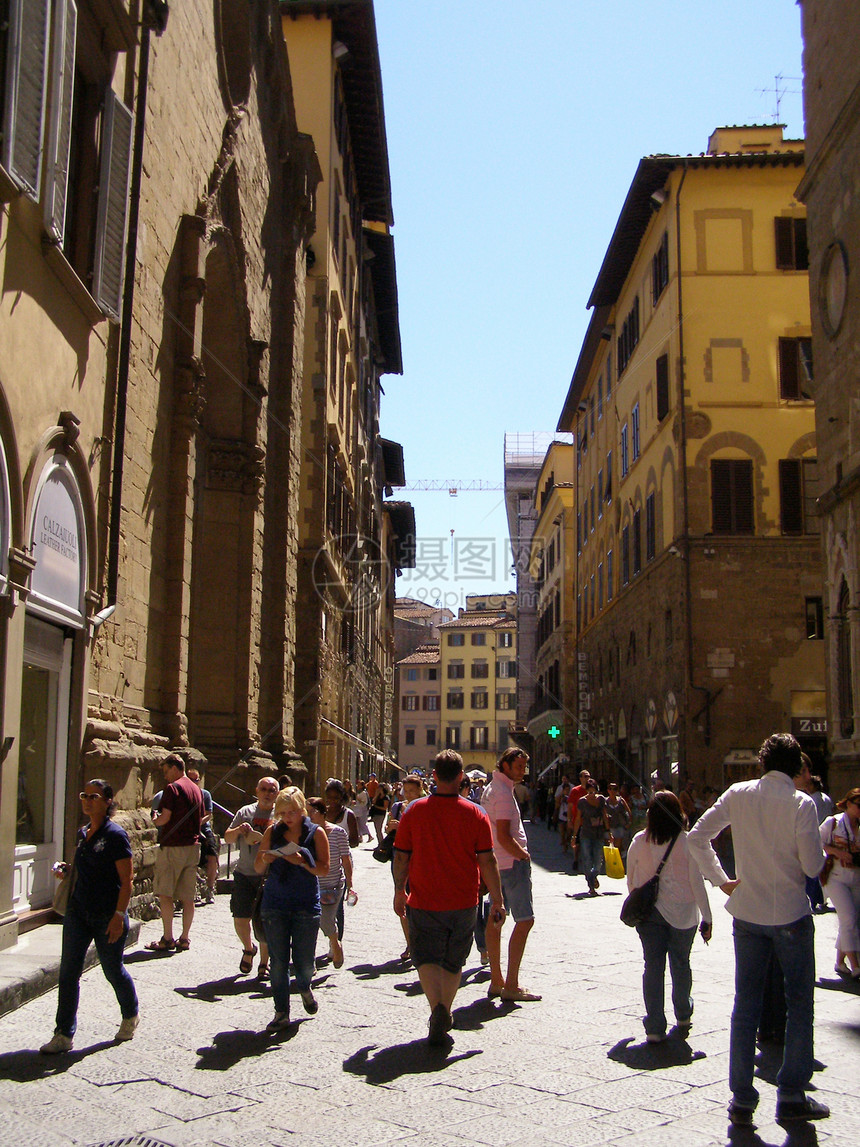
pixel 553 731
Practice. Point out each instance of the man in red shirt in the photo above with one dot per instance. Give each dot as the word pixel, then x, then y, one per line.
pixel 179 815
pixel 443 847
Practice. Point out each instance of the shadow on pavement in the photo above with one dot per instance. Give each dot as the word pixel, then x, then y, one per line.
pixel 472 1017
pixel 213 991
pixel 653 1056
pixel 374 971
pixel 230 1048
pixel 839 984
pixel 390 1063
pixel 801 1135
pixel 27 1065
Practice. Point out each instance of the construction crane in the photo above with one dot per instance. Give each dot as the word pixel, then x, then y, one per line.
pixel 453 485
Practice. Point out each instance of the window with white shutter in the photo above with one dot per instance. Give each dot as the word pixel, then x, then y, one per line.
pixel 60 125
pixel 113 205
pixel 27 38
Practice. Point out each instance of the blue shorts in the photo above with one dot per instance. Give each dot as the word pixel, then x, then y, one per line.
pixel 517 890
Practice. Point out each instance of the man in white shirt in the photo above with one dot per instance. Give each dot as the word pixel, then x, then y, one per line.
pixel 776 845
pixel 510 847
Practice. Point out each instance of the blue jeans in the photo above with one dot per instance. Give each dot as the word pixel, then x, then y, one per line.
pixel 792 944
pixel 80 928
pixel 291 935
pixel 481 923
pixel 660 939
pixel 590 858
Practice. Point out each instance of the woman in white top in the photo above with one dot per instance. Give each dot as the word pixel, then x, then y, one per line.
pixel 671 927
pixel 840 838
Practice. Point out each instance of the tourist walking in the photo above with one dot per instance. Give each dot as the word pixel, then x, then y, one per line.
pixel 246 830
pixel 96 913
pixel 670 929
pixel 620 818
pixel 335 886
pixel 592 824
pixel 840 836
pixel 293 854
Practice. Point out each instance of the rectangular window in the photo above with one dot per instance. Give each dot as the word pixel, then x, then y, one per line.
pixel 792 250
pixel 600 585
pixel 506 668
pixel 650 528
pixel 608 492
pixel 814 619
pixel 795 369
pixel 625 455
pixel 798 492
pixel 456 671
pixel 637 542
pixel 410 703
pixel 452 737
pixel 732 495
pixel 431 736
pixel 629 337
pixel 599 494
pixel 456 700
pixel 432 673
pixel 609 573
pixel 662 387
pixel 409 736
pixel 456 639
pixel 411 674
pixel 625 555
pixel 479 639
pixel 479 737
pixel 431 702
pixel 480 699
pixel 480 669
pixel 608 376
pixel 506 701
pixel 660 269
pixel 634 432
pixel 600 398
pixel 506 640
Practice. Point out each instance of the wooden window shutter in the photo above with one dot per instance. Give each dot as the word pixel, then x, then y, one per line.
pixel 662 387
pixel 789 383
pixel 784 243
pixel 26 86
pixel 790 496
pixel 60 129
pixel 742 491
pixel 732 496
pixel 113 205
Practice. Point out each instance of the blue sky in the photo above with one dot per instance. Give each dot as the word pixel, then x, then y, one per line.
pixel 514 132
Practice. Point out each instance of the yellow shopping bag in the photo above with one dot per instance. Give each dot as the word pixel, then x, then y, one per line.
pixel 614 863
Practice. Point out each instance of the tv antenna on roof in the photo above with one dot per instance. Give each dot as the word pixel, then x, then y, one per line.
pixel 779 90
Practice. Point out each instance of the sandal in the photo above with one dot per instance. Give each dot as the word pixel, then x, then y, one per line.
pixel 162 945
pixel 183 944
pixel 247 961
pixel 263 972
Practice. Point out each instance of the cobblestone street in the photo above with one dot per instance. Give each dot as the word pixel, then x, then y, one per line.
pixel 573 1069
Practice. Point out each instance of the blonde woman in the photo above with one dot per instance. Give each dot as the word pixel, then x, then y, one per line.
pixel 294 854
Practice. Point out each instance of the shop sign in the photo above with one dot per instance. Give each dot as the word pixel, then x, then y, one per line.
pixel 56 543
pixel 809 726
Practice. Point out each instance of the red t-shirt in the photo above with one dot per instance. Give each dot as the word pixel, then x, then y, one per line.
pixel 444 834
pixel 185 801
pixel 573 800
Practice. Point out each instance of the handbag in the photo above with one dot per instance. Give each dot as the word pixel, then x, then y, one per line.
pixel 614 863
pixel 384 852
pixel 63 891
pixel 824 875
pixel 640 902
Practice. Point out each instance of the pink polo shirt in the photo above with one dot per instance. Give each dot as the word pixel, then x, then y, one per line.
pixel 500 804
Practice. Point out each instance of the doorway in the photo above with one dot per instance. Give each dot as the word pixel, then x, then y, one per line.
pixel 44 730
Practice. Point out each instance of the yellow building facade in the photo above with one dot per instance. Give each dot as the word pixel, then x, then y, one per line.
pixel 478 664
pixel 697 586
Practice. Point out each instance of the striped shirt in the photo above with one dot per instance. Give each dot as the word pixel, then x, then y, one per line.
pixel 338 846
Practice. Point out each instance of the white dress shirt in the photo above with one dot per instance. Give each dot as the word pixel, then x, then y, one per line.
pixel 776 844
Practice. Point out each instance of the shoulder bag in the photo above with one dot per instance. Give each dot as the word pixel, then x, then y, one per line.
pixel 640 902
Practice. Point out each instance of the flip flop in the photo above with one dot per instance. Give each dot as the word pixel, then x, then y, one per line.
pixel 247 961
pixel 162 945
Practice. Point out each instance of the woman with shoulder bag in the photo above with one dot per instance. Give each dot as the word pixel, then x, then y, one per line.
pixel 670 928
pixel 293 854
pixel 96 912
pixel 840 838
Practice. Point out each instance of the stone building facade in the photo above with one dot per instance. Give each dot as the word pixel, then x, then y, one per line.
pixel 831 191
pixel 698 602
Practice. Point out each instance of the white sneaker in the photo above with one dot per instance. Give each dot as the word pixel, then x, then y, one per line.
pixel 127 1028
pixel 57 1043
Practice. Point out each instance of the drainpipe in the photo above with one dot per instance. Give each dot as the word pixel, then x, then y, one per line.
pixel 154 16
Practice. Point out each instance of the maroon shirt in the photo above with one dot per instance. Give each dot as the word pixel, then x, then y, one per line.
pixel 185 801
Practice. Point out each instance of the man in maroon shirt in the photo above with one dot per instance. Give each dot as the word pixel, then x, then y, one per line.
pixel 444 845
pixel 179 817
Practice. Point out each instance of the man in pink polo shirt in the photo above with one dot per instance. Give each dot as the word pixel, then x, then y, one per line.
pixel 510 846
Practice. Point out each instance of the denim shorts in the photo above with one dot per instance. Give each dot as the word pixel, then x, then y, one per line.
pixel 442 938
pixel 517 890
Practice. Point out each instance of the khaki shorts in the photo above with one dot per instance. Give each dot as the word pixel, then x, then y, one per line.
pixel 176 871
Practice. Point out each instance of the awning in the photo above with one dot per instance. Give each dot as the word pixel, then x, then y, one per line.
pixel 358 743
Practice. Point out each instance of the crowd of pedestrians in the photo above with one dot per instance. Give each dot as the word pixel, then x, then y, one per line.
pixel 461 865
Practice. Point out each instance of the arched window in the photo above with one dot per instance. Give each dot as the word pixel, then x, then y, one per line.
pixel 844 685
